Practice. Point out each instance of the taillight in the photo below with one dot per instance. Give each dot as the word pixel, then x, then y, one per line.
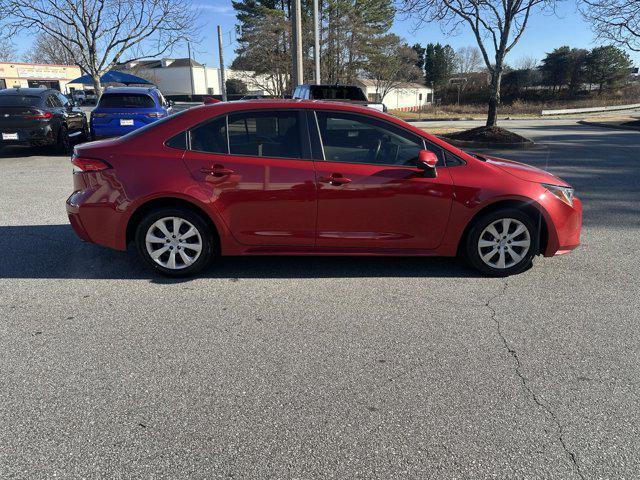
pixel 83 165
pixel 155 115
pixel 39 115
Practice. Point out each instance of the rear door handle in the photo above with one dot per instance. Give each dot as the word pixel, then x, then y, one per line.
pixel 217 171
pixel 336 179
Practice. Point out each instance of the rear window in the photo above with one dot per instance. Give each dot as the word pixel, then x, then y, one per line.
pixel 126 100
pixel 337 92
pixel 19 101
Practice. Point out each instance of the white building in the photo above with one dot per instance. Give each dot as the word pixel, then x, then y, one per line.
pixel 406 97
pixel 182 76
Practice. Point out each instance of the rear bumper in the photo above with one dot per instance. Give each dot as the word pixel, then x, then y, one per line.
pixel 39 134
pixel 95 220
pixel 564 227
pixel 108 132
pixel 108 127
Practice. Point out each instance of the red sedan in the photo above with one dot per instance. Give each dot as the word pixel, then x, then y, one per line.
pixel 299 177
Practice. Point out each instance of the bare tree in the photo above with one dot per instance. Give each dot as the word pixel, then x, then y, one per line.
pixel 48 49
pixel 616 21
pixel 468 60
pixel 391 64
pixel 497 26
pixel 527 62
pixel 98 32
pixel 7 50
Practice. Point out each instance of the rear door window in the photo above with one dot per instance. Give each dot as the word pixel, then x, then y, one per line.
pixel 54 101
pixel 210 137
pixel 126 100
pixel 265 134
pixel 64 100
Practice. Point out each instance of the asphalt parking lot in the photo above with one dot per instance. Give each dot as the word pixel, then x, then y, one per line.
pixel 320 367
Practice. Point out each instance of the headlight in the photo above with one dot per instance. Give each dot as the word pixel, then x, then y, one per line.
pixel 563 193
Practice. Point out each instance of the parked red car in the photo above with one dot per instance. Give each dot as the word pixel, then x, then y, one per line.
pixel 297 177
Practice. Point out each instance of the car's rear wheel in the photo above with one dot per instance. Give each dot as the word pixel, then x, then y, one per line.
pixel 86 135
pixel 63 143
pixel 175 241
pixel 503 242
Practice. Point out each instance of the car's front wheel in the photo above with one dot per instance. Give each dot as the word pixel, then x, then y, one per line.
pixel 503 242
pixel 175 241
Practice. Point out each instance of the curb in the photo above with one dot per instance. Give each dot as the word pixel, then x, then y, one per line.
pixel 435 119
pixel 511 146
pixel 611 108
pixel 608 125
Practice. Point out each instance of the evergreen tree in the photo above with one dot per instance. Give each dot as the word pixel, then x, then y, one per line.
pixel 439 64
pixel 420 51
pixel 607 66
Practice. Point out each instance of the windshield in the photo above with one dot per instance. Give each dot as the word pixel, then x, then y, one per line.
pixel 126 100
pixel 337 92
pixel 19 101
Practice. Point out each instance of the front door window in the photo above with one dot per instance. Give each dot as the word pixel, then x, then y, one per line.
pixel 352 138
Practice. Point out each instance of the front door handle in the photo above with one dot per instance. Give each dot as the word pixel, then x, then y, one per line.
pixel 336 179
pixel 217 171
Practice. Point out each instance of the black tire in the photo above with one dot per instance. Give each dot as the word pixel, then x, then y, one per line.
pixel 63 142
pixel 206 237
pixel 473 250
pixel 86 136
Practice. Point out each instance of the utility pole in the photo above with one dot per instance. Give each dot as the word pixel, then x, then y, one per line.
pixel 298 75
pixel 206 82
pixel 190 71
pixel 316 44
pixel 223 86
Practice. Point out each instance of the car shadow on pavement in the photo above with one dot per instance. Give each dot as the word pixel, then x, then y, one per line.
pixel 27 151
pixel 54 251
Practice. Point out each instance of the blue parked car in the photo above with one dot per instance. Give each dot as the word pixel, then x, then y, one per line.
pixel 124 109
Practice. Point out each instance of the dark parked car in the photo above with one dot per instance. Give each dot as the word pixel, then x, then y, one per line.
pixel 40 116
pixel 339 93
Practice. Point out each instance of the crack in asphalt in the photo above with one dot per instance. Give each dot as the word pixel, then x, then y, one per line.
pixel 518 370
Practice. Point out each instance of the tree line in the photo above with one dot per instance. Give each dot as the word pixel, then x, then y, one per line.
pixel 355 37
pixel 565 71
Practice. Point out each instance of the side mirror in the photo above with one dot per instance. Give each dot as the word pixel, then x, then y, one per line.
pixel 427 162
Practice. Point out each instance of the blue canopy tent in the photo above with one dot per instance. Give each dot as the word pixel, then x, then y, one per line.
pixel 113 76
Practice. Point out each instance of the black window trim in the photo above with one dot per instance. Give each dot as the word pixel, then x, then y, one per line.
pixel 305 147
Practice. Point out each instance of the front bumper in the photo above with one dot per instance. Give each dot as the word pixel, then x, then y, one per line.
pixel 564 224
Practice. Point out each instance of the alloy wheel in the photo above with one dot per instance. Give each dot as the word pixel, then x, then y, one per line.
pixel 504 243
pixel 173 243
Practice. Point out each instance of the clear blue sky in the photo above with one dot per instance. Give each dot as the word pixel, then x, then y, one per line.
pixel 543 34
